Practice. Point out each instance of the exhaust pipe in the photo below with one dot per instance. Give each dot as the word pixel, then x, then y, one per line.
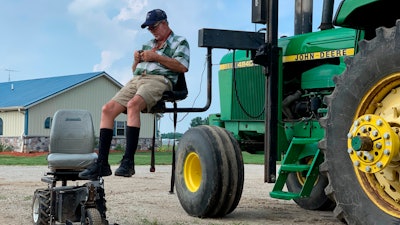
pixel 327 14
pixel 303 16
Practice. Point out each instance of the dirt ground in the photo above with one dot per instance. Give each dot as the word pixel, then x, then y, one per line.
pixel 144 199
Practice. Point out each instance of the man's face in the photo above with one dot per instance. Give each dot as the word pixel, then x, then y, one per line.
pixel 158 29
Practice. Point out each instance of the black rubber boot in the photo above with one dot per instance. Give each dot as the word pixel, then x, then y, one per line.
pixel 101 168
pixel 126 168
pixel 105 139
pixel 96 170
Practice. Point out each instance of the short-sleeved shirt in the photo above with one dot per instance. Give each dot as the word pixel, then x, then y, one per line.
pixel 175 47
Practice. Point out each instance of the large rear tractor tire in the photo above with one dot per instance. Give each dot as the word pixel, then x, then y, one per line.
pixel 41 207
pixel 370 85
pixel 209 172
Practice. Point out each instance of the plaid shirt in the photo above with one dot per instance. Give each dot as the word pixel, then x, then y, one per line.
pixel 175 47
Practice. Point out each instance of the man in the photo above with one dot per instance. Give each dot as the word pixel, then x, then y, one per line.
pixel 155 69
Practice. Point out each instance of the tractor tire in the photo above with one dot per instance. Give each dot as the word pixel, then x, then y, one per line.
pixel 317 199
pixel 209 172
pixel 41 207
pixel 372 76
pixel 93 217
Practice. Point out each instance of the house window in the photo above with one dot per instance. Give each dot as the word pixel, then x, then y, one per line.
pixel 1 126
pixel 47 123
pixel 120 128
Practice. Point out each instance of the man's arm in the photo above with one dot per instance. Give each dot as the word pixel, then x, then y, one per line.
pixel 170 63
pixel 136 60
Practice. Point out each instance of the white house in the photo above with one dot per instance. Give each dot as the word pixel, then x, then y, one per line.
pixel 27 108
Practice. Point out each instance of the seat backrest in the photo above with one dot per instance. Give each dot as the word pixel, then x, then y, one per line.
pixel 179 91
pixel 180 88
pixel 72 132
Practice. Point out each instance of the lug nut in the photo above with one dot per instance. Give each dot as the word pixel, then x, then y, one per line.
pixel 386 152
pixel 363 129
pixel 368 169
pixel 379 122
pixel 386 136
pixel 357 163
pixel 349 135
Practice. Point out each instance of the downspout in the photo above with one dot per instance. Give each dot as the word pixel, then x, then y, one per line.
pixel 26 122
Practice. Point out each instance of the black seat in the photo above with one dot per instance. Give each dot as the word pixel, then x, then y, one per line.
pixel 179 92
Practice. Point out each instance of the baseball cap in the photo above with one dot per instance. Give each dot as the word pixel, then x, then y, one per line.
pixel 153 17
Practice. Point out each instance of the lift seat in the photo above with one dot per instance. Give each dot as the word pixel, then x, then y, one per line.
pixel 71 141
pixel 179 92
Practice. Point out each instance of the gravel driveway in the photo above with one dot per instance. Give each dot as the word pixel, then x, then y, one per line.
pixel 144 199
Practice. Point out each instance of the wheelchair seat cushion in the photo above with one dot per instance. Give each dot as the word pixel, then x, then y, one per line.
pixel 70 161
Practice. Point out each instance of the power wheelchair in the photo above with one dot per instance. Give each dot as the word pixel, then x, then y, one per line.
pixel 71 150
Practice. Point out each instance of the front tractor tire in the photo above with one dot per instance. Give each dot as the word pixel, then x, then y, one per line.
pixel 370 85
pixel 209 172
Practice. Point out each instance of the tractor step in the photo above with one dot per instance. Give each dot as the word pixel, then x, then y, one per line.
pixel 284 195
pixel 295 167
pixel 293 162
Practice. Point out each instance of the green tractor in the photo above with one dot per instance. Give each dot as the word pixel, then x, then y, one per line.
pixel 325 104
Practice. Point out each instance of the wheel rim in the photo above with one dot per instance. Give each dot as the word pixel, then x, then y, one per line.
pixel 383 186
pixel 35 210
pixel 302 176
pixel 192 172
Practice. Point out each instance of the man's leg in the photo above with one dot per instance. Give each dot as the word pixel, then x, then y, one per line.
pixel 134 107
pixel 102 168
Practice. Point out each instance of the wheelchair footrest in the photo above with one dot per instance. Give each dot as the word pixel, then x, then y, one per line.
pixel 48 180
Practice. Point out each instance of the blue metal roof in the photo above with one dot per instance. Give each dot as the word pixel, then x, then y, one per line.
pixel 25 93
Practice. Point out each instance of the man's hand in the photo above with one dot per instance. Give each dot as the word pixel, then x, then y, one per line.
pixel 151 56
pixel 136 57
pixel 148 56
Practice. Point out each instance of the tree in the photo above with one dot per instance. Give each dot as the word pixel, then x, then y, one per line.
pixel 197 121
pixel 170 135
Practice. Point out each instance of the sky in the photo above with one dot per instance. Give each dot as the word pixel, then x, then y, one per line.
pixel 46 38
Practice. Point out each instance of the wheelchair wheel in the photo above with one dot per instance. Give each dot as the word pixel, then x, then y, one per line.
pixel 41 207
pixel 93 217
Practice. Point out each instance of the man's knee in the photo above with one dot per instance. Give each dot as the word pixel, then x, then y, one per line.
pixel 112 108
pixel 137 103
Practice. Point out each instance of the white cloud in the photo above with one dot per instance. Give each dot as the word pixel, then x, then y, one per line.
pixel 111 26
pixel 107 59
pixel 132 10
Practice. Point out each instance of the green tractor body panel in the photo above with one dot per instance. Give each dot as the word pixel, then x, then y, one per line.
pixel 325 76
pixel 318 45
pixel 348 9
pixel 367 14
pixel 242 98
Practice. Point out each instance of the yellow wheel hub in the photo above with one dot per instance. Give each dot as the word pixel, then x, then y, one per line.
pixel 380 140
pixel 372 143
pixel 192 172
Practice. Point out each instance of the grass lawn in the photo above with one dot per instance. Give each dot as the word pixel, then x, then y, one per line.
pixel 141 158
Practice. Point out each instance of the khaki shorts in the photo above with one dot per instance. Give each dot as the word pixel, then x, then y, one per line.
pixel 150 87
